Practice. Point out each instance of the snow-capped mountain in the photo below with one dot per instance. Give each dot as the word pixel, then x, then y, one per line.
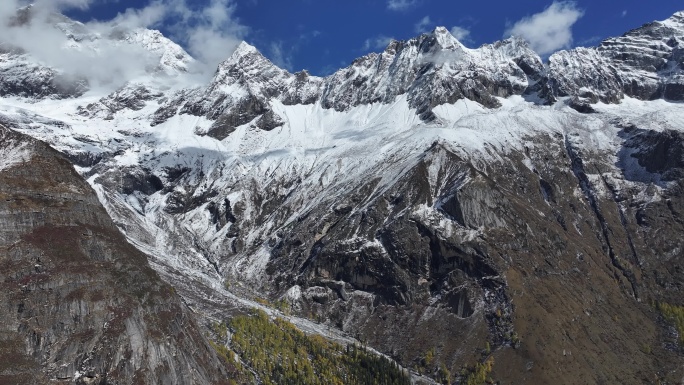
pixel 28 75
pixel 431 196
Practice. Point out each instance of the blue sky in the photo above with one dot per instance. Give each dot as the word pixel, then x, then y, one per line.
pixel 324 35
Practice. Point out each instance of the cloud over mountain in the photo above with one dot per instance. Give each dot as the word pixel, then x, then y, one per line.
pixel 549 30
pixel 210 33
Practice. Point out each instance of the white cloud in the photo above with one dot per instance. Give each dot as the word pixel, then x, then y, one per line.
pixel 212 43
pixel 39 35
pixel 279 56
pixel 376 43
pixel 423 25
pixel 549 30
pixel 460 33
pixel 624 13
pixel 150 16
pixel 209 33
pixel 588 42
pixel 401 5
pixel 7 9
pixel 63 4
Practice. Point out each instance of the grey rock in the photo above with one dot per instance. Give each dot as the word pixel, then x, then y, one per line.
pixel 129 97
pixel 79 304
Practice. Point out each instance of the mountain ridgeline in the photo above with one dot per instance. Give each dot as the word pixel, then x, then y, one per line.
pixel 474 214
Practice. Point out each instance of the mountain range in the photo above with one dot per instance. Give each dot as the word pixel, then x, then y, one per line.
pixel 474 206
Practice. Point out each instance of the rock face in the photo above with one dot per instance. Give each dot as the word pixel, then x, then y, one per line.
pixel 434 69
pixel 242 89
pixel 79 304
pixel 540 253
pixel 427 199
pixel 645 63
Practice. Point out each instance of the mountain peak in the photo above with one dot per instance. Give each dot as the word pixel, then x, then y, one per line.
pixel 676 20
pixel 677 15
pixel 244 49
pixel 246 58
pixel 513 44
pixel 440 30
pixel 445 39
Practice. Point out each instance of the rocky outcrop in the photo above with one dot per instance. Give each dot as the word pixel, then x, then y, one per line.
pixel 660 153
pixel 20 77
pixel 79 304
pixel 130 97
pixel 241 91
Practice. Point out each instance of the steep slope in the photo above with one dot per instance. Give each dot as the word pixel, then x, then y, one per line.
pixel 512 240
pixel 80 304
pixel 240 92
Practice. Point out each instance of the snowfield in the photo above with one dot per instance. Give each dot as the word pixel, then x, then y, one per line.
pixel 326 152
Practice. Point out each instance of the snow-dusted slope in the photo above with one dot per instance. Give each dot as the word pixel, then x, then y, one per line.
pixel 645 63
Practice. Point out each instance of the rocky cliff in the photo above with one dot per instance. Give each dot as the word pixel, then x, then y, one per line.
pixel 79 304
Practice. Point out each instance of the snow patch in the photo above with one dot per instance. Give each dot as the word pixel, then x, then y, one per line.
pixel 294 293
pixel 13 153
